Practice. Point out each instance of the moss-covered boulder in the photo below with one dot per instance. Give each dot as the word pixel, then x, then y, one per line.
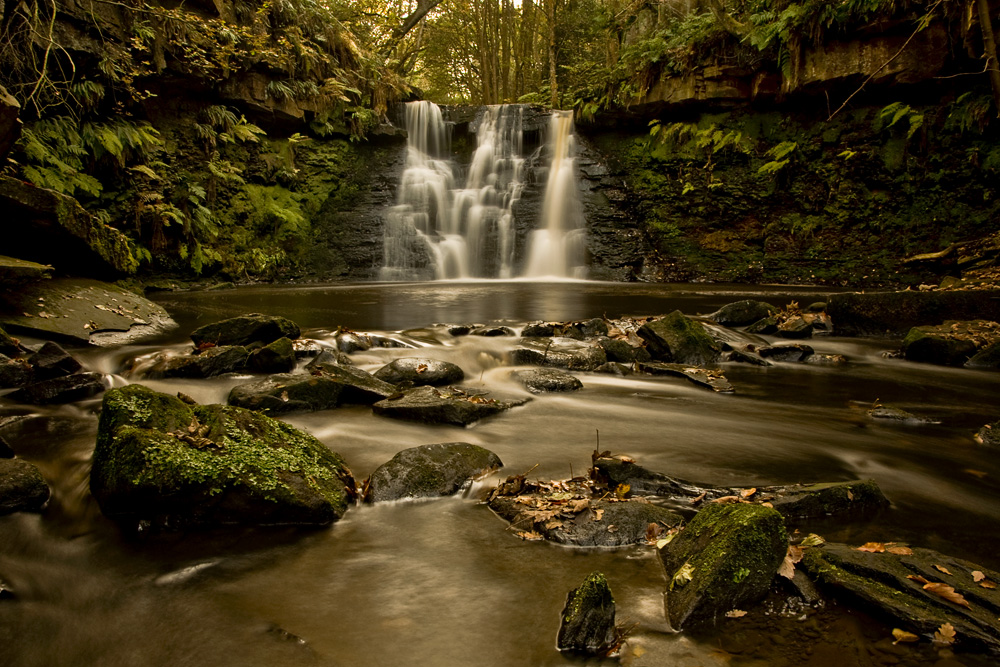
pixel 419 372
pixel 275 357
pixel 542 380
pixel 8 346
pixel 22 488
pixel 286 392
pixel 724 559
pixel 795 327
pixel 245 330
pixel 679 339
pixel 986 358
pixel 836 498
pixel 617 349
pixel 917 590
pixel 742 313
pixel 442 406
pixel 936 345
pixel 430 471
pixel 588 619
pixel 162 461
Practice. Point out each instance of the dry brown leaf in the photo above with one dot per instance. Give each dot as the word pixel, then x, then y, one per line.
pixel 945 635
pixel 987 584
pixel 917 578
pixel 941 568
pixel 578 505
pixel 552 524
pixel 746 493
pixel 653 532
pixel 529 535
pixel 736 613
pixel 812 540
pixel 850 496
pixel 699 498
pixel 421 368
pixel 977 576
pixel 900 551
pixel 598 514
pixel 903 636
pixel 978 473
pixel 787 568
pixel 947 592
pixel 795 553
pixel 726 500
pixel 872 547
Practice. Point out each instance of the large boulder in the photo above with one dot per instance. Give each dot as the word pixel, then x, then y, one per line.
pixel 22 488
pixel 820 500
pixel 724 559
pixel 541 380
pixel 559 353
pixel 164 462
pixel 588 619
pixel 878 313
pixel 420 372
pixel 442 406
pixel 701 377
pixel 53 361
pixel 937 345
pixel 275 357
pixel 208 363
pixel 287 392
pixel 359 386
pixel 245 330
pixel 15 272
pixel 430 471
pixel 617 349
pixel 742 313
pixel 65 389
pixel 919 590
pixel 679 339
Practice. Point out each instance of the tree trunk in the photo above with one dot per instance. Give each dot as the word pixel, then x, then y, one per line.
pixel 553 83
pixel 990 45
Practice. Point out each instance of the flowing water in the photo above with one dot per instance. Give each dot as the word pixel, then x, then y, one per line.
pixel 440 231
pixel 442 582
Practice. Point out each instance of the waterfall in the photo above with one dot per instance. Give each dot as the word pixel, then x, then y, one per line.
pixel 556 249
pixel 439 230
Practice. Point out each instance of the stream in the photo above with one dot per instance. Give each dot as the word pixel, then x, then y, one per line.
pixel 443 582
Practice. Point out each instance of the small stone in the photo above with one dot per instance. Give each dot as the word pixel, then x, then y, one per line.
pixel 540 380
pixel 430 471
pixel 22 487
pixel 588 619
pixel 420 372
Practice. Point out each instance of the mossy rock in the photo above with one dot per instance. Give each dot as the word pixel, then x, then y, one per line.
pixel 622 351
pixel 989 435
pixel 837 498
pixel 8 346
pixel 420 372
pixel 22 487
pixel 14 372
pixel 679 339
pixel 65 389
pixel 930 345
pixel 275 357
pixel 286 392
pixel 162 461
pixel 448 406
pixel 430 471
pixel 208 363
pixel 742 313
pixel 559 353
pixel 542 380
pixel 724 559
pixel 359 386
pixel 246 329
pixel 588 619
pixel 987 358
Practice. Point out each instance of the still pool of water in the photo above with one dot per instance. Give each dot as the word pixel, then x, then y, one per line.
pixel 443 582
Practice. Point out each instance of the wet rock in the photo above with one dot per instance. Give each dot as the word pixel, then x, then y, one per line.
pixel 15 272
pixel 614 368
pixel 877 313
pixel 825 360
pixel 588 619
pixel 460 329
pixel 559 353
pixel 820 322
pixel 306 348
pixel 282 393
pixel 538 330
pixel 5 451
pixel 162 461
pixel 209 363
pixel 65 389
pixel 445 406
pixel 791 352
pixel 892 413
pixel 595 326
pixel 622 351
pixel 764 327
pixel 329 357
pixel 989 435
pixel 275 357
pixel 642 481
pixel 702 377
pixel 430 471
pixel 245 330
pixel 936 345
pixel 725 558
pixel 746 356
pixel 679 339
pixel 541 380
pixel 816 307
pixel 987 358
pixel 795 327
pixel 742 313
pixel 885 583
pixel 14 372
pixel 420 372
pixel 52 361
pixel 22 487
pixel 349 342
pixel 492 331
pixel 359 386
pixel 8 346
pixel 819 500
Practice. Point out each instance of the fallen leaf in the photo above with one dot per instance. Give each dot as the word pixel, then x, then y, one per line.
pixel 900 551
pixel 746 493
pixel 977 576
pixel 653 532
pixel 552 524
pixel 872 547
pixel 699 498
pixel 612 528
pixel 664 541
pixel 917 578
pixel 683 575
pixel 622 491
pixel 947 592
pixel 598 514
pixel 578 505
pixel 725 500
pixel 736 613
pixel 978 473
pixel 529 535
pixel 850 496
pixel 421 368
pixel 795 553
pixel 903 636
pixel 987 584
pixel 787 568
pixel 812 540
pixel 284 396
pixel 940 568
pixel 945 635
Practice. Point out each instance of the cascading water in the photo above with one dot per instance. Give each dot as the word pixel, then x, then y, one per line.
pixel 557 248
pixel 441 231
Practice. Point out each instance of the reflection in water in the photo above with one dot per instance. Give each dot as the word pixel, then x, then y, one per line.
pixel 442 582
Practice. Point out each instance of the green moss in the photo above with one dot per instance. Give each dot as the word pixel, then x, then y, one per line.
pixel 594 592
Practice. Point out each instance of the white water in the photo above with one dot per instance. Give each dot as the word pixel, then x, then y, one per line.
pixel 441 231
